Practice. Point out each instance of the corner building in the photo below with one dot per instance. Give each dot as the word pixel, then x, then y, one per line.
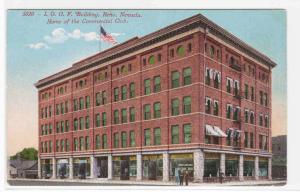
pixel 190 96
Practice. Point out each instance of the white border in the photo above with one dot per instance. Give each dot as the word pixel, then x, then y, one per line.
pixel 293 15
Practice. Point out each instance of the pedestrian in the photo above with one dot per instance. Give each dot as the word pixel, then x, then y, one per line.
pixel 177 176
pixel 180 177
pixel 186 176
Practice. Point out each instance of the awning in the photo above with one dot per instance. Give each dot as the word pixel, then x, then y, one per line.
pixel 209 130
pixel 219 131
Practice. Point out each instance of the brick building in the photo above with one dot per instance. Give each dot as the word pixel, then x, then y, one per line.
pixel 190 96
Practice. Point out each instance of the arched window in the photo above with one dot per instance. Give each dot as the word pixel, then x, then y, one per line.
pixel 151 60
pixel 180 51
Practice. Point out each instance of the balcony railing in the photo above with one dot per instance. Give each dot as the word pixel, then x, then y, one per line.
pixel 235 66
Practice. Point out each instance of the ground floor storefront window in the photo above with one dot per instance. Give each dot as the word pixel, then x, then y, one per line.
pixel 46 168
pixel 82 167
pixel 182 162
pixel 62 168
pixel 152 167
pixel 124 167
pixel 211 167
pixel 263 167
pixel 231 166
pixel 249 166
pixel 101 167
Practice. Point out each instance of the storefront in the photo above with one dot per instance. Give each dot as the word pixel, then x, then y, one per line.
pixel 249 167
pixel 124 167
pixel 82 167
pixel 46 168
pixel 101 164
pixel 62 168
pixel 263 167
pixel 153 167
pixel 211 167
pixel 232 166
pixel 182 162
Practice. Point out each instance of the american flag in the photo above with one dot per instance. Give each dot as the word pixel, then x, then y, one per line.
pixel 106 36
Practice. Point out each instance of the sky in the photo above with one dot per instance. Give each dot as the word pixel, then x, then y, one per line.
pixel 36 49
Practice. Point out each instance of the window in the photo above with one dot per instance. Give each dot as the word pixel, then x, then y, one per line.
pixel 50 127
pixel 104 141
pixel 175 79
pixel 236 87
pixel 81 123
pixel 132 114
pixel 97 143
pixel 104 119
pixel 172 53
pixel 266 99
pixel 62 126
pixel 75 104
pixel 246 140
pixel 216 108
pixel 147 87
pixel 252 93
pixel 144 62
pixel 124 69
pixel 175 134
pixel 62 109
pixel 180 51
pixel 251 140
pixel 186 105
pixel 81 143
pixel 87 102
pixel 147 137
pixel 116 140
pixel 98 99
pixel 187 76
pixel 132 90
pixel 62 145
pixel 207 76
pixel 75 124
pixel 252 117
pixel 118 71
pixel 236 114
pixel 157 136
pixel 157 84
pixel 57 127
pixel 57 145
pixel 261 120
pixel 87 122
pixel 124 116
pixel 157 110
pixel 189 49
pixel 132 139
pixel 266 121
pixel 50 146
pixel 175 107
pixel 75 144
pixel 81 103
pixel 116 116
pixel 147 114
pixel 151 60
pixel 261 97
pixel 187 134
pixel 98 120
pixel 228 111
pixel 124 92
pixel 207 105
pixel 124 139
pixel 57 109
pixel 67 145
pixel 66 108
pixel 246 91
pixel 159 57
pixel 116 94
pixel 228 85
pixel 87 143
pixel 246 116
pixel 217 80
pixel 104 97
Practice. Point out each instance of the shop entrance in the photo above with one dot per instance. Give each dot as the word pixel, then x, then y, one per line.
pixel 124 169
pixel 102 164
pixel 152 170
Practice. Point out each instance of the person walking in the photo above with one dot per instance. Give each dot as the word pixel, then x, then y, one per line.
pixel 186 177
pixel 180 177
pixel 177 175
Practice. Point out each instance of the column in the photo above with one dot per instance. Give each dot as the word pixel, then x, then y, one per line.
pixel 222 163
pixel 109 167
pixel 139 166
pixel 92 158
pixel 241 168
pixel 54 168
pixel 71 175
pixel 198 166
pixel 270 168
pixel 39 168
pixel 165 166
pixel 256 168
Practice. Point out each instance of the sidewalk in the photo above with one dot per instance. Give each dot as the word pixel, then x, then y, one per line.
pixel 157 183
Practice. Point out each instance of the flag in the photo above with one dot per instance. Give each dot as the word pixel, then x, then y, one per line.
pixel 106 36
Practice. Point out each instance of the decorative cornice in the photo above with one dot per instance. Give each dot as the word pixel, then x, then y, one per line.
pixel 135 44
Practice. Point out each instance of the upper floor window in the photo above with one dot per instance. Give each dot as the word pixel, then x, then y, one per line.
pixel 147 113
pixel 147 137
pixel 252 117
pixel 216 108
pixel 124 115
pixel 175 134
pixel 228 111
pixel 157 84
pixel 151 60
pixel 147 85
pixel 104 141
pixel 157 136
pixel 116 94
pixel 116 116
pixel 180 51
pixel 246 91
pixel 175 79
pixel 116 140
pixel 132 114
pixel 157 110
pixel 87 102
pixel 104 119
pixel 228 85
pixel 175 107
pixel 132 138
pixel 132 90
pixel 207 105
pixel 124 139
pixel 246 116
pixel 124 92
pixel 187 133
pixel 187 76
pixel 81 103
pixel 187 103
